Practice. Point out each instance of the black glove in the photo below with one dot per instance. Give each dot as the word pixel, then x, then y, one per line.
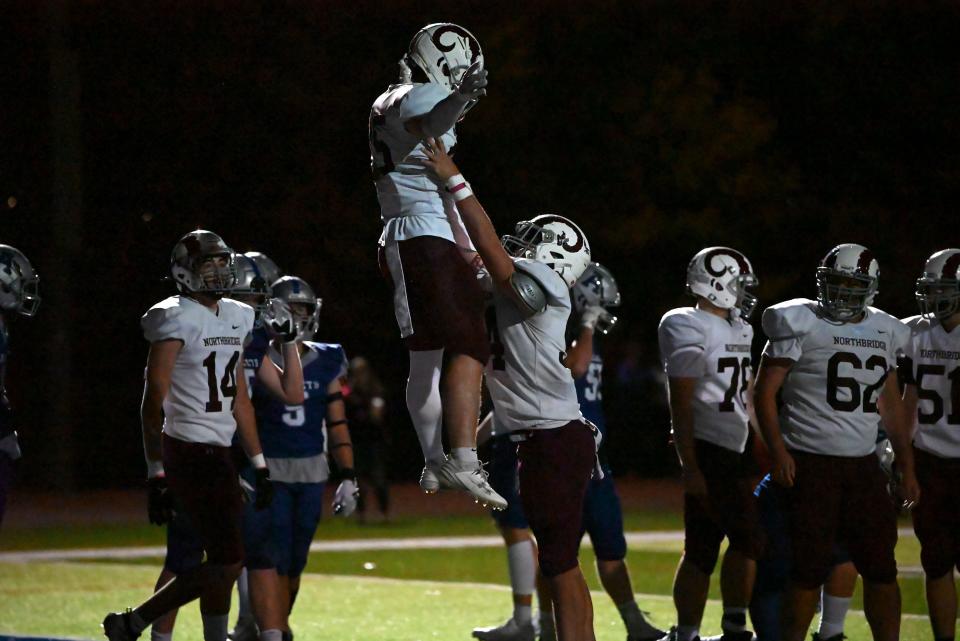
pixel 159 501
pixel 264 489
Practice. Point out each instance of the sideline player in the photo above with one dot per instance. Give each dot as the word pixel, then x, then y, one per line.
pixel 18 295
pixel 437 300
pixel 533 393
pixel 706 356
pixel 195 399
pixel 296 440
pixel 931 369
pixel 829 360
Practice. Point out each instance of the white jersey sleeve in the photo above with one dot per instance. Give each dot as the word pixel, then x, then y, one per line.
pixel 785 326
pixel 198 407
pixel 412 201
pixel 716 352
pixel 931 363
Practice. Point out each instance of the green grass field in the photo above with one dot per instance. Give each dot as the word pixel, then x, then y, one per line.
pixel 364 595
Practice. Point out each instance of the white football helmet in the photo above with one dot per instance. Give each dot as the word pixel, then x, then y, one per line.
pixel 19 283
pixel 555 241
pixel 847 281
pixel 597 288
pixel 443 52
pixel 268 269
pixel 194 272
pixel 251 288
pixel 724 277
pixel 295 292
pixel 938 289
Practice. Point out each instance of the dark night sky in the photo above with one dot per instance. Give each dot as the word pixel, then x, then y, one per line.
pixel 778 128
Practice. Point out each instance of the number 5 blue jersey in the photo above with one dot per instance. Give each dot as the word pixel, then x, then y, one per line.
pixel 590 394
pixel 297 431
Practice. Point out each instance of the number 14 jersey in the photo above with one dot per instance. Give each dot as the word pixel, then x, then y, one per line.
pixel 830 395
pixel 199 406
pixel 716 352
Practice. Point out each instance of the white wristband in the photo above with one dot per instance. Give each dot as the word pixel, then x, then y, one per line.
pixel 459 187
pixel 154 469
pixel 258 461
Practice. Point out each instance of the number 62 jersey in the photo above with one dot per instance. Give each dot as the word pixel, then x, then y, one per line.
pixel 199 405
pixel 716 352
pixel 830 394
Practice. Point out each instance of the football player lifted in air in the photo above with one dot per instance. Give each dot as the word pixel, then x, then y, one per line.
pixel 184 546
pixel 18 295
pixel 195 398
pixel 533 393
pixel 437 299
pixel 593 295
pixel 931 369
pixel 705 352
pixel 829 360
pixel 297 438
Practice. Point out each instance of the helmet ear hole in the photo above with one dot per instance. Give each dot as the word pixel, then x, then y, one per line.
pixel 556 255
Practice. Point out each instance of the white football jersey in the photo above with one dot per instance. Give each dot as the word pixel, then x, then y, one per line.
pixel 530 386
pixel 413 202
pixel 715 351
pixel 830 395
pixel 932 363
pixel 199 406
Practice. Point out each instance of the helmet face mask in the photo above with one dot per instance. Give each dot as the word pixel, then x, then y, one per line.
pixel 251 288
pixel 201 263
pixel 847 281
pixel 554 241
pixel 938 288
pixel 19 283
pixel 303 303
pixel 724 277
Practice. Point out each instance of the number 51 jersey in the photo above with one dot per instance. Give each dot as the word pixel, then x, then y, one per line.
pixel 830 395
pixel 199 406
pixel 716 352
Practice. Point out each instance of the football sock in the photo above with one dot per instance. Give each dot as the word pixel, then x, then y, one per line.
pixel 632 617
pixel 137 623
pixel 271 635
pixel 522 614
pixel 465 455
pixel 523 568
pixel 423 402
pixel 833 611
pixel 734 619
pixel 243 596
pixel 214 627
pixel 160 636
pixel 687 632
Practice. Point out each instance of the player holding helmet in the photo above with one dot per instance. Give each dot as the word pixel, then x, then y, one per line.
pixel 931 369
pixel 195 399
pixel 18 296
pixel 437 300
pixel 706 356
pixel 830 360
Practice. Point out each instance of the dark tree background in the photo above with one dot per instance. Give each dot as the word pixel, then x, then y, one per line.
pixel 779 128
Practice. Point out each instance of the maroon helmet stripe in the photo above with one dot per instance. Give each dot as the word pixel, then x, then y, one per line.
pixel 863 264
pixel 952 267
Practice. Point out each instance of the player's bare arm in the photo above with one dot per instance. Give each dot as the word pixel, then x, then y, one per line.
pixel 899 424
pixel 475 219
pixel 580 352
pixel 681 417
pixel 160 362
pixel 448 111
pixel 285 384
pixel 246 420
pixel 347 493
pixel 770 377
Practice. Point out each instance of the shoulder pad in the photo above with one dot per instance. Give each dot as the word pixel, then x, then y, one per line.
pixel 421 99
pixel 681 328
pixel 165 320
pixel 549 280
pixel 789 319
pixel 529 293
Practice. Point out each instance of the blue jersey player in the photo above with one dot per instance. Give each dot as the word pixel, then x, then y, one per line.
pixel 297 439
pixel 603 519
pixel 18 295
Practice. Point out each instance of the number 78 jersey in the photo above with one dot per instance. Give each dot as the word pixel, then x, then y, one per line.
pixel 716 352
pixel 198 407
pixel 830 394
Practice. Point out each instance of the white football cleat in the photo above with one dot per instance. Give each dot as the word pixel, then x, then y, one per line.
pixel 509 631
pixel 472 478
pixel 429 482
